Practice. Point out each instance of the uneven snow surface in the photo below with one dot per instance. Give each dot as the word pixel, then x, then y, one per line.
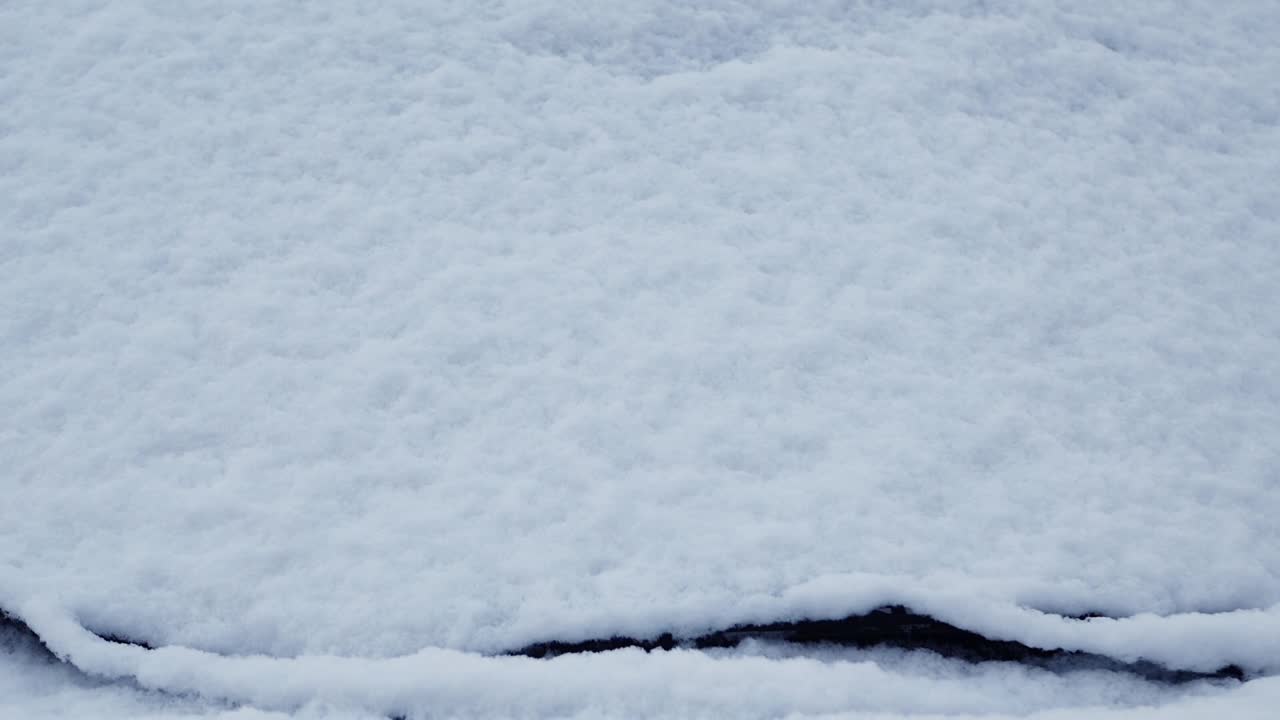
pixel 862 685
pixel 373 338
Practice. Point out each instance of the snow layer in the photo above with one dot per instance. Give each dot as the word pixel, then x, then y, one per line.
pixel 359 329
pixel 33 686
pixel 753 682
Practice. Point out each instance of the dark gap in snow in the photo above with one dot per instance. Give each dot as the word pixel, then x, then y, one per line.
pixel 1089 616
pixel 122 640
pixel 16 634
pixel 893 626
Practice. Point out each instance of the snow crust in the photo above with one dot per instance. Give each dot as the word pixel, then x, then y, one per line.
pixel 752 682
pixel 414 330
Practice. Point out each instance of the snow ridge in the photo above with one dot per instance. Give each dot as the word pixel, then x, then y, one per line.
pixel 451 681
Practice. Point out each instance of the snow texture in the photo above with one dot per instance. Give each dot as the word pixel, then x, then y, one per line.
pixel 404 332
pixel 757 682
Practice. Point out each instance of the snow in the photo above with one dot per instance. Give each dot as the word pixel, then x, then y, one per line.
pixel 385 336
pixel 758 681
pixel 33 686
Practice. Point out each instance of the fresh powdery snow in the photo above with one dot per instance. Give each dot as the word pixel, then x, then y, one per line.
pixel 348 346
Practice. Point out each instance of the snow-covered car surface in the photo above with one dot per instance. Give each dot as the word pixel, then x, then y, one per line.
pixel 347 347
